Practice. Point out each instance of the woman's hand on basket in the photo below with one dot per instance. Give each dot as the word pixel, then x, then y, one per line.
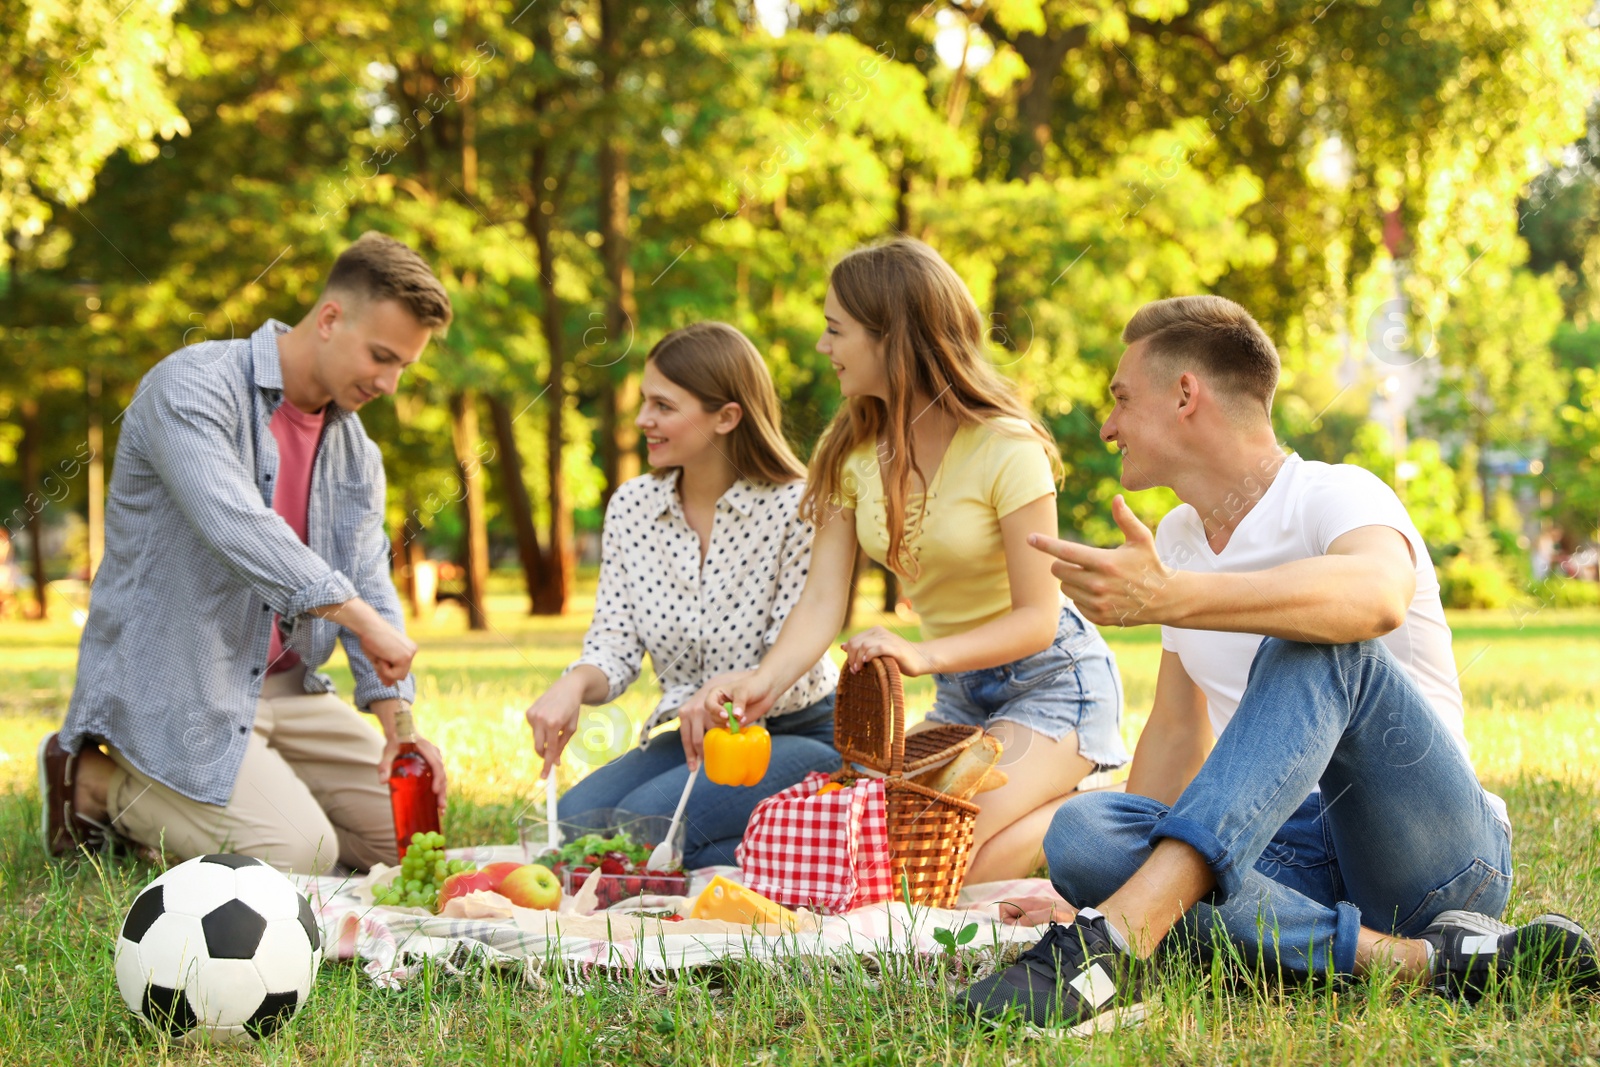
pixel 869 644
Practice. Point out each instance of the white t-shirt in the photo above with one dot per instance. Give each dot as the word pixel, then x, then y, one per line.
pixel 1308 506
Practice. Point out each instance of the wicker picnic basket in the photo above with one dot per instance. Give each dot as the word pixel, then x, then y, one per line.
pixel 930 833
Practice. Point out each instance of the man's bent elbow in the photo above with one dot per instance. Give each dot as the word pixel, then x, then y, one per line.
pixel 1388 616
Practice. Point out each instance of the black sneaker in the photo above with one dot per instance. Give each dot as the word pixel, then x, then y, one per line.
pixel 1074 982
pixel 1470 949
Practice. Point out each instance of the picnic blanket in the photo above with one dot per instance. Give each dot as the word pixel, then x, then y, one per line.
pixel 393 943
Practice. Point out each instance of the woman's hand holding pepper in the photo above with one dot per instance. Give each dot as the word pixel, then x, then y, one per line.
pixel 694 719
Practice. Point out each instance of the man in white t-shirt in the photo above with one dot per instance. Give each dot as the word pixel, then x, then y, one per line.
pixel 1302 789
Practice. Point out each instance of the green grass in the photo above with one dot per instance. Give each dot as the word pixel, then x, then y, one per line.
pixel 1531 686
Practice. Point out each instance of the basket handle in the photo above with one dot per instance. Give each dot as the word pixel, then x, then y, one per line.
pixel 887 669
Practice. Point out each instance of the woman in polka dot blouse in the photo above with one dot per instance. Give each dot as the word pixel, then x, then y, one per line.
pixel 701 562
pixel 934 464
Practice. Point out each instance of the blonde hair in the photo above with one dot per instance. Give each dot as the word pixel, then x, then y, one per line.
pixel 720 366
pixel 933 344
pixel 1214 335
pixel 377 267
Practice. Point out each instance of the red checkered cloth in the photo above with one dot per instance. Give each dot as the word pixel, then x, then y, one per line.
pixel 828 853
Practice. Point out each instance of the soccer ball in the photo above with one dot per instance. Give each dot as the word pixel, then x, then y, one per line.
pixel 222 946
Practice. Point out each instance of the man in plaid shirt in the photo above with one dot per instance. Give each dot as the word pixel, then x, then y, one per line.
pixel 244 533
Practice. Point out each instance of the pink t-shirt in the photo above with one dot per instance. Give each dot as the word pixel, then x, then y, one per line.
pixel 297 435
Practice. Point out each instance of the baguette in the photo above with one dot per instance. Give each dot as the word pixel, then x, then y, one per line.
pixel 993 780
pixel 961 777
pixel 927 777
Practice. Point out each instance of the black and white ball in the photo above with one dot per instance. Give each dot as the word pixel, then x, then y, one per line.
pixel 222 946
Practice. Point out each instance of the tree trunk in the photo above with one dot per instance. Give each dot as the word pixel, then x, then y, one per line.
pixel 518 506
pixel 891 590
pixel 475 537
pixel 34 499
pixel 1030 133
pixel 410 559
pixel 405 582
pixel 850 600
pixel 561 562
pixel 1029 138
pixel 96 443
pixel 619 437
pixel 902 200
pixel 551 597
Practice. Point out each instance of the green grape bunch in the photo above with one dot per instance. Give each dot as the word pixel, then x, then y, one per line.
pixel 422 872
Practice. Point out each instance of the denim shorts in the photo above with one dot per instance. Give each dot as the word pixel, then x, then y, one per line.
pixel 1072 686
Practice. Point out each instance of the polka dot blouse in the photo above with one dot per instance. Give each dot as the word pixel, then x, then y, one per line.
pixel 697 623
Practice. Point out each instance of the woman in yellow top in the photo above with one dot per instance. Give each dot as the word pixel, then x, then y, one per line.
pixel 937 469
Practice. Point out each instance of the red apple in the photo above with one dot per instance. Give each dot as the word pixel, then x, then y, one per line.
pixel 459 885
pixel 497 872
pixel 532 886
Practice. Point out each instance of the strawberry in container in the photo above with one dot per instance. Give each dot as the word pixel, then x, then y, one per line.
pixel 621 865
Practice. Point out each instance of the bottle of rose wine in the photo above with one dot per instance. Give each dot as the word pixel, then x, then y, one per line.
pixel 416 809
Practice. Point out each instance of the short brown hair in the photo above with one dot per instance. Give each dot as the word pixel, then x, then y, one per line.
pixel 1215 336
pixel 720 366
pixel 378 267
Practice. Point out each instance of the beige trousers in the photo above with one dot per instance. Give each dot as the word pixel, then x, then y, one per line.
pixel 308 794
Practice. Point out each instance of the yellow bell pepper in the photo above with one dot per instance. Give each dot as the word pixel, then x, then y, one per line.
pixel 737 755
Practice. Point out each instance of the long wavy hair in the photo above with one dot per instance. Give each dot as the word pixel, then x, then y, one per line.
pixel 933 340
pixel 720 365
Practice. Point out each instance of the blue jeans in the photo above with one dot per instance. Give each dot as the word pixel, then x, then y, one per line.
pixel 1399 832
pixel 1072 686
pixel 648 781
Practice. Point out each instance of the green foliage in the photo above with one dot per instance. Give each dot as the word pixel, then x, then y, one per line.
pixel 1566 593
pixel 954 939
pixel 1104 155
pixel 79 80
pixel 1497 383
pixel 1476 577
pixel 1430 492
pixel 1574 468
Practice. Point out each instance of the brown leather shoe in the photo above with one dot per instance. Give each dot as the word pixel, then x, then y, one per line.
pixel 64 831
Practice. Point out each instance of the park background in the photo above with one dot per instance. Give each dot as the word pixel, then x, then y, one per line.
pixel 1407 195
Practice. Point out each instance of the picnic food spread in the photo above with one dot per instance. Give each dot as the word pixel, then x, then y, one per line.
pixel 423 871
pixel 619 862
pixel 737 755
pixel 411 793
pixel 971 772
pixel 940 765
pixel 427 879
pixel 731 902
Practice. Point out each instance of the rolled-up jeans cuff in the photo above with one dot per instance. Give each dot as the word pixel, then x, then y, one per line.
pixel 1203 841
pixel 1347 929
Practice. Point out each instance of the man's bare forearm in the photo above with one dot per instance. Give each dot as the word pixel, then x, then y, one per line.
pixel 355 615
pixel 384 711
pixel 1324 600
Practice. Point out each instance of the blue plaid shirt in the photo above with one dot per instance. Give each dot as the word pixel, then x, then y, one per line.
pixel 197 563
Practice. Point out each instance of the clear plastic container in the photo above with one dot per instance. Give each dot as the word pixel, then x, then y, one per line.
pixel 645 830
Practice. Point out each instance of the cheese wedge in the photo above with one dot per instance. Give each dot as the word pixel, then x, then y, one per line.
pixel 733 903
